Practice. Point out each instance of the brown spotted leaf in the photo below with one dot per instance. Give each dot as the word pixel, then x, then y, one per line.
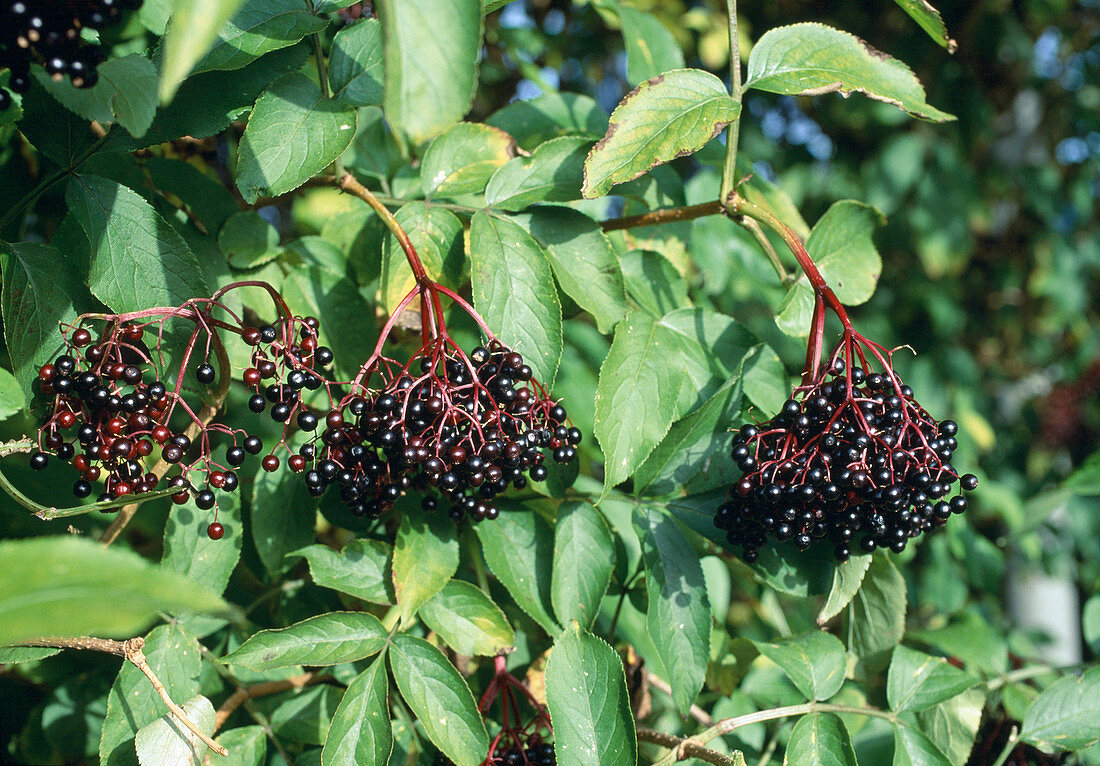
pixel 671 115
pixel 811 59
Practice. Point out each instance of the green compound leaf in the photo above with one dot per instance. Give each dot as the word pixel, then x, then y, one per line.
pixel 671 115
pixel 125 93
pixel 917 680
pixel 1066 716
pixel 584 559
pixel 166 740
pixel 425 558
pixel 678 617
pixel 138 260
pixel 361 569
pixel 513 289
pixel 189 550
pixel 360 732
pixel 811 59
pixel 431 53
pixel 519 549
pixel 929 20
pixel 259 27
pixel 877 613
pixel 583 259
pixel 820 739
pixel 589 707
pixel 462 160
pixel 74 577
pixel 355 63
pixel 192 31
pixel 468 620
pixel 553 173
pixel 637 393
pixel 39 294
pixel 293 133
pixel 815 662
pixel 327 639
pixel 841 245
pixel 440 699
pixel 133 703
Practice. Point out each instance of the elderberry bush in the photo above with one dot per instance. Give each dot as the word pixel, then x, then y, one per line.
pixel 850 461
pixel 49 33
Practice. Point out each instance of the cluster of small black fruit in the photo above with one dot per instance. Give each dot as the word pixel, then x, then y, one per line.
pixel 535 754
pixel 853 459
pixel 48 32
pixel 468 426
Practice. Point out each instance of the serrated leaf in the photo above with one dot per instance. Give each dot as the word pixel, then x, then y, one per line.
pixel 876 615
pixel 671 115
pixel 583 260
pixel 553 173
pixel 650 47
pixel 678 615
pixel 820 739
pixel 355 63
pixel 133 703
pixel 841 245
pixel 436 234
pixel 847 578
pixel 636 395
pixel 584 558
pixel 425 558
pixel 191 32
pixel 138 260
pixel 360 732
pixel 440 700
pixel 73 577
pixel 327 639
pixel 431 54
pixel 259 27
pixel 811 59
pixel 125 93
pixel 917 680
pixel 912 747
pixel 1066 716
pixel 589 707
pixel 283 518
pixel 167 741
pixel 189 550
pixel 248 240
pixel 929 19
pixel 293 133
pixel 12 655
pixel 952 725
pixel 711 347
pixel 247 746
pixel 360 569
pixel 468 620
pixel 513 289
pixel 519 549
pixel 815 662
pixel 462 160
pixel 39 294
pixel 550 115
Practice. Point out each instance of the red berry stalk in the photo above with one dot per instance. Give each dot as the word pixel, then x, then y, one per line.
pixel 852 457
pixel 523 738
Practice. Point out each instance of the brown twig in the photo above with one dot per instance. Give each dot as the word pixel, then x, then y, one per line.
pixel 243 693
pixel 667 215
pixel 684 747
pixel 132 650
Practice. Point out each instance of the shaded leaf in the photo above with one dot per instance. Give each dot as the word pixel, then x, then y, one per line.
pixel 167 741
pixel 360 732
pixel 820 739
pixel 519 549
pixel 247 746
pixel 671 115
pixel 847 577
pixel 283 518
pixel 815 662
pixel 327 639
pixel 425 558
pixel 877 613
pixel 259 27
pixel 953 724
pixel 360 569
pixel 355 63
pixel 191 33
pixel 912 747
pixel 553 173
pixel 125 93
pixel 189 550
pixel 550 115
pixel 650 47
pixel 1066 716
pixel 918 680
pixel 462 160
pixel 584 559
pixel 468 620
pixel 248 240
pixel 436 234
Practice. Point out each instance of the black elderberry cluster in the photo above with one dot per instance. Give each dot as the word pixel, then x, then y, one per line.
pixel 467 426
pixel 48 32
pixel 536 753
pixel 851 460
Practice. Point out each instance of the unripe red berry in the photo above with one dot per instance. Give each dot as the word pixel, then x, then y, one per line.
pixel 215 531
pixel 270 463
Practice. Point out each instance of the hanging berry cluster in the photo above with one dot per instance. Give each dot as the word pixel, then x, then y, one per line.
pixel 851 458
pixel 445 423
pixel 48 33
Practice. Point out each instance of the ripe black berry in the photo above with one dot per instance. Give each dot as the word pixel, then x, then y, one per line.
pixel 39 460
pixel 205 500
pixel 205 374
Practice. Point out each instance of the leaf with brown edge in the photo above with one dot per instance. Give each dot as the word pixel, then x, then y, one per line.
pixel 666 117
